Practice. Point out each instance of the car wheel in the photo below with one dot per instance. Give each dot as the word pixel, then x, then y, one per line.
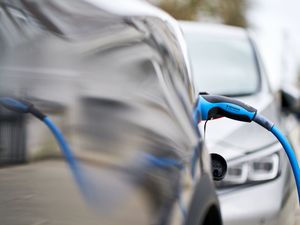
pixel 204 208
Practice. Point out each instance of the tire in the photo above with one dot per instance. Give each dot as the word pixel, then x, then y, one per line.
pixel 204 208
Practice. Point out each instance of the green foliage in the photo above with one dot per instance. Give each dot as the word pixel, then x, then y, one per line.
pixel 231 12
pixel 182 10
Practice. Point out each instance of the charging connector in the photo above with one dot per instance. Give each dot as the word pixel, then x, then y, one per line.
pixel 213 106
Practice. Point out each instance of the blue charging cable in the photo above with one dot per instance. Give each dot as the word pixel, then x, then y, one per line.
pixel 213 106
pixel 207 107
pixel 69 155
pixel 291 155
pixel 22 106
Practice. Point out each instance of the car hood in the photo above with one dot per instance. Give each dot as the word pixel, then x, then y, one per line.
pixel 233 139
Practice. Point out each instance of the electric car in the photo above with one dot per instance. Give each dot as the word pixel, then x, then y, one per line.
pixel 119 72
pixel 258 187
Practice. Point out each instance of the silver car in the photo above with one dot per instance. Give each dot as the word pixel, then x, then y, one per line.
pixel 115 77
pixel 259 186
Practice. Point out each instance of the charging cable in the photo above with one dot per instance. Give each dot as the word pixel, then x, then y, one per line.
pixel 22 106
pixel 213 106
pixel 207 107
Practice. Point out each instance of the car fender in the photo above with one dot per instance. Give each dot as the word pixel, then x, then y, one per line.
pixel 204 208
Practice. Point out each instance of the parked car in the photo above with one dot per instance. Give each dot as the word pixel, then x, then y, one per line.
pixel 258 187
pixel 120 71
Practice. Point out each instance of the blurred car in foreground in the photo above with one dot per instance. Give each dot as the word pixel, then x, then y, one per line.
pixel 118 70
pixel 258 188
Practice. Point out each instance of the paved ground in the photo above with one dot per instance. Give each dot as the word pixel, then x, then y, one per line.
pixel 44 194
pixel 39 194
pixel 298 218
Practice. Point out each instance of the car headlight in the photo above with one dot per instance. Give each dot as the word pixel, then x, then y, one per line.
pixel 253 168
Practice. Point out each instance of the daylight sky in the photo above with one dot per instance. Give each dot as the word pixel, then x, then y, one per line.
pixel 277 25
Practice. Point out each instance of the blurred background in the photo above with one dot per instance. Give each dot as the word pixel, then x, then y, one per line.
pixel 120 79
pixel 274 22
pixel 273 26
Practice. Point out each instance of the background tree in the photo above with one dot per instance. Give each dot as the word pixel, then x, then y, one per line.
pixel 182 9
pixel 231 12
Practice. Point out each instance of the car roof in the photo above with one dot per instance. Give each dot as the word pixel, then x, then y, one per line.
pixel 130 8
pixel 218 30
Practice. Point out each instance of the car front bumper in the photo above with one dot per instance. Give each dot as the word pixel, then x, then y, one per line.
pixel 270 203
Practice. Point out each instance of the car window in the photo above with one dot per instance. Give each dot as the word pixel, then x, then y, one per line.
pixel 223 65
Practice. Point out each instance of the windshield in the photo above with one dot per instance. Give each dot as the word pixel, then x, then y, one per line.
pixel 223 66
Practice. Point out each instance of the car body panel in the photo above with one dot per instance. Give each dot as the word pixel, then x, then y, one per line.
pixel 123 80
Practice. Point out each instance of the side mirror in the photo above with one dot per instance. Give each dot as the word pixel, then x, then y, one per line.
pixel 218 167
pixel 291 99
